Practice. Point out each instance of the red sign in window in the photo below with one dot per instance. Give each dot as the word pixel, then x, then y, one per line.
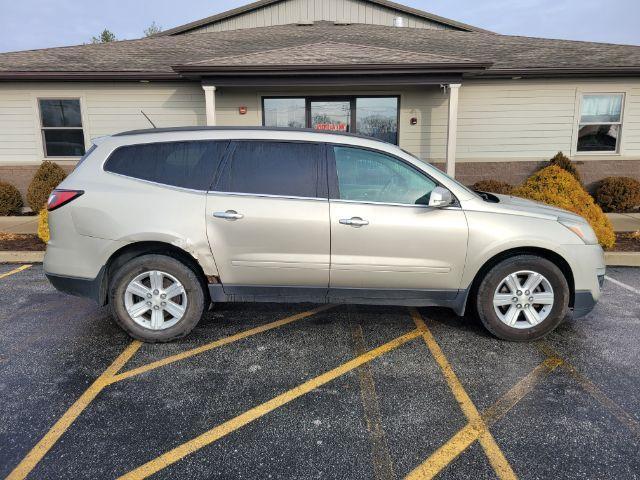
pixel 335 127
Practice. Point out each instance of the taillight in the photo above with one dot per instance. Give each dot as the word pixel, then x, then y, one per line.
pixel 58 198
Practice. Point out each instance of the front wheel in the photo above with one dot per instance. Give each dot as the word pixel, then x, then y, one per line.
pixel 156 298
pixel 523 298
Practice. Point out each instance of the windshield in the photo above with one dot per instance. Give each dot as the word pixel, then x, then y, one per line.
pixel 464 187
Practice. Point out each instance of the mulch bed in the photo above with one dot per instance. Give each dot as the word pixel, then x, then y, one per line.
pixel 626 242
pixel 21 242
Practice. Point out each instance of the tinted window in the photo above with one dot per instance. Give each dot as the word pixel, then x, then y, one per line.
pixel 369 176
pixel 61 123
pixel 273 168
pixel 182 164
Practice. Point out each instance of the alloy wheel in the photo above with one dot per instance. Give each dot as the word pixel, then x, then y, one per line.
pixel 523 299
pixel 155 300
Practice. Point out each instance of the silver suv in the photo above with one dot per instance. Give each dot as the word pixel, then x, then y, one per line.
pixel 161 223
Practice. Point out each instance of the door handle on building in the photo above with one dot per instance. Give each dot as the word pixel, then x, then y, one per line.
pixel 229 215
pixel 354 222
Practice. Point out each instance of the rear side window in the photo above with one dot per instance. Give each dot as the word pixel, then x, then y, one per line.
pixel 181 164
pixel 273 168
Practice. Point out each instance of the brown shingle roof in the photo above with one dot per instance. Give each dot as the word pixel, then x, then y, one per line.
pixel 154 57
pixel 330 53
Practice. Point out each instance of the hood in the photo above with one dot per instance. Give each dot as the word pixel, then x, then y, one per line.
pixel 523 207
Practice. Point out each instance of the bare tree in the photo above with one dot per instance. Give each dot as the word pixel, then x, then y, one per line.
pixel 153 29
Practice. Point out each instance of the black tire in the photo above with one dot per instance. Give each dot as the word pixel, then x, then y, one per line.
pixel 185 275
pixel 492 280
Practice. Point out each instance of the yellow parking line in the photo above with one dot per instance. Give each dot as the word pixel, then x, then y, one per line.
pixel 216 433
pixel 17 270
pixel 382 463
pixel 446 453
pixel 53 435
pixel 472 431
pixel 616 410
pixel 218 343
pixel 492 450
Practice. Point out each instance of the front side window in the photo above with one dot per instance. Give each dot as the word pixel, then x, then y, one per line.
pixel 600 125
pixel 181 164
pixel 367 176
pixel 285 169
pixel 61 123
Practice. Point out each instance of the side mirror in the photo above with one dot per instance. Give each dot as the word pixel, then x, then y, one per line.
pixel 440 197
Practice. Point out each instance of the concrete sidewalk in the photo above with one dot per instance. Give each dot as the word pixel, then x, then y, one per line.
pixel 19 224
pixel 625 222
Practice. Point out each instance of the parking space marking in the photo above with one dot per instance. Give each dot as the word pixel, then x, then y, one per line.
pixel 16 270
pixel 218 343
pixel 588 386
pixel 496 458
pixel 382 463
pixel 471 432
pixel 36 454
pixel 623 285
pixel 216 433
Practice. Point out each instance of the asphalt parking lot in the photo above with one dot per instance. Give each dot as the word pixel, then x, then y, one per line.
pixel 307 391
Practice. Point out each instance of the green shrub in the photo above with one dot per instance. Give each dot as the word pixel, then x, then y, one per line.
pixel 48 177
pixel 562 161
pixel 10 199
pixel 43 225
pixel 493 186
pixel 555 186
pixel 618 194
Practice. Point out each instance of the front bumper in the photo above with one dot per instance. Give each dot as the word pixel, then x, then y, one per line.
pixel 583 303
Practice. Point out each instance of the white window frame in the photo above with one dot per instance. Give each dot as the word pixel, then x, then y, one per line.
pixel 580 124
pixel 42 128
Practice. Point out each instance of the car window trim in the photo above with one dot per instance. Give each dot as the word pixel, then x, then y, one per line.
pixel 334 187
pixel 322 189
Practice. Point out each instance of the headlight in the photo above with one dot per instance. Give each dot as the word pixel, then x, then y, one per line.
pixel 583 230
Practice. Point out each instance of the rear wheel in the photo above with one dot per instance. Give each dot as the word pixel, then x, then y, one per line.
pixel 523 298
pixel 156 298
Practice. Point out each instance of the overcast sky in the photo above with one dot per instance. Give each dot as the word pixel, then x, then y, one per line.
pixel 30 24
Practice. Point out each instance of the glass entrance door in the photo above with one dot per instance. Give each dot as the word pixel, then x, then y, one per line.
pixel 332 115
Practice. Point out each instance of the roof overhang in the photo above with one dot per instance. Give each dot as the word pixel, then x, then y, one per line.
pixel 335 75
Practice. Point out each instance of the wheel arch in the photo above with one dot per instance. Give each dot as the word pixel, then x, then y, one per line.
pixel 137 249
pixel 550 255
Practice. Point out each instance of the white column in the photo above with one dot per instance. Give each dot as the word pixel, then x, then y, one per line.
pixel 210 101
pixel 452 130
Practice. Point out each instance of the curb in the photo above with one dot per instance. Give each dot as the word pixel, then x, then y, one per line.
pixel 21 257
pixel 622 259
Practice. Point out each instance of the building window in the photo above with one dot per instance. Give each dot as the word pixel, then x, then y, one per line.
pixel 285 112
pixel 375 117
pixel 600 125
pixel 61 122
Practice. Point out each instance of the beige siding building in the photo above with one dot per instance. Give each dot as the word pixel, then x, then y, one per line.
pixel 478 104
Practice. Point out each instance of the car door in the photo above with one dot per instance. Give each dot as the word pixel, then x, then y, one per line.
pixel 386 242
pixel 268 219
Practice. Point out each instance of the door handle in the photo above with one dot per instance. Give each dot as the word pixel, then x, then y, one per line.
pixel 229 215
pixel 354 222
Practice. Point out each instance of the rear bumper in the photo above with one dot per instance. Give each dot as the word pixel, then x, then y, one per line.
pixel 80 287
